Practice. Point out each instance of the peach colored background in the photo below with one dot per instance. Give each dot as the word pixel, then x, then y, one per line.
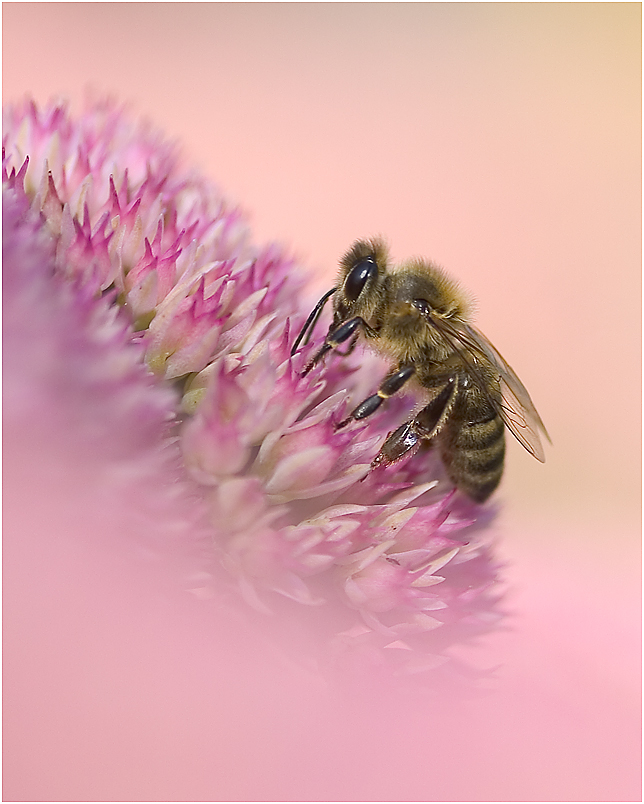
pixel 503 141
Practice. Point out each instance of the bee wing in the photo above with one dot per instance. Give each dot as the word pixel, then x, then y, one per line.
pixel 516 409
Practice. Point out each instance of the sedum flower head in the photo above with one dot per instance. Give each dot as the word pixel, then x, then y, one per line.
pixel 179 314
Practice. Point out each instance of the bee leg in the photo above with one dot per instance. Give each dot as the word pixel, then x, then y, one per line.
pixel 388 387
pixel 406 440
pixel 334 338
pixel 350 347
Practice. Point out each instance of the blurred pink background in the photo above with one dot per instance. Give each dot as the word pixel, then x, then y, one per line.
pixel 502 141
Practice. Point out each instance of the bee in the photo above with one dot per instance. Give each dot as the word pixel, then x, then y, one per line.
pixel 417 317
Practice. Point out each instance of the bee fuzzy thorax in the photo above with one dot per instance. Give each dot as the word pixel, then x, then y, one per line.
pixel 422 279
pixel 404 334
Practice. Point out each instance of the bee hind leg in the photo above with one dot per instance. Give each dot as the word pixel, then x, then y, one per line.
pixel 399 444
pixel 406 440
pixel 388 387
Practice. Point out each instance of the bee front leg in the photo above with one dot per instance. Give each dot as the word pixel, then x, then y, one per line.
pixel 348 329
pixel 406 440
pixel 388 387
pixel 350 347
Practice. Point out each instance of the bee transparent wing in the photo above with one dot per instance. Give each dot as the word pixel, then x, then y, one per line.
pixel 516 409
pixel 512 387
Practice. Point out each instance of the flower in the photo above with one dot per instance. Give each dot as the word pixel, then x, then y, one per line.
pixel 166 325
pixel 73 374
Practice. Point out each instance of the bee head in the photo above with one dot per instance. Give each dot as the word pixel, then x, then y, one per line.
pixel 360 280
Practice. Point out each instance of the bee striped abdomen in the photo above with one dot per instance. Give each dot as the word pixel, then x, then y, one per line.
pixel 473 453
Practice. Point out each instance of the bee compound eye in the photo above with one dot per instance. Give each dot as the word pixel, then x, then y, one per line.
pixel 358 277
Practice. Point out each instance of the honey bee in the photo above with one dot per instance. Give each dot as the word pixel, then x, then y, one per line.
pixel 417 317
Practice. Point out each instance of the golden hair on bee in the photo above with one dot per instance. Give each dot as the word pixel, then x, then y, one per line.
pixel 455 301
pixel 417 317
pixel 404 334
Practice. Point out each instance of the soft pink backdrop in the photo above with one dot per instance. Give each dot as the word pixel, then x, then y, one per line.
pixel 503 141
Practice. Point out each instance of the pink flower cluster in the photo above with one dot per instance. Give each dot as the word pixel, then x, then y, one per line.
pixel 392 557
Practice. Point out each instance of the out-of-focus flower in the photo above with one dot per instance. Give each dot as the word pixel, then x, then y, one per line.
pixel 165 312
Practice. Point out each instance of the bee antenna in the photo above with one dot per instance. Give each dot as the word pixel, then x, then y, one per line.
pixel 311 321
